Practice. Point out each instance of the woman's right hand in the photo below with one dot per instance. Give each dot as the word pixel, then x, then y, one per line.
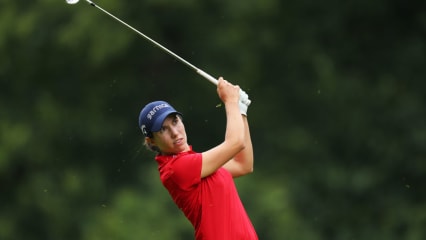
pixel 228 92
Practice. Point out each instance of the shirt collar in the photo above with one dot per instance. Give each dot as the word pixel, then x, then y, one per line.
pixel 162 159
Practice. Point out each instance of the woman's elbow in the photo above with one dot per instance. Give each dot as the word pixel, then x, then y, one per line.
pixel 250 170
pixel 247 169
pixel 243 172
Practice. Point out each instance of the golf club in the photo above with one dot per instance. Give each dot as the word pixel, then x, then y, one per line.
pixel 243 95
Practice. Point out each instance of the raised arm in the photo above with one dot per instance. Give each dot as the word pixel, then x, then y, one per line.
pixel 234 141
pixel 242 163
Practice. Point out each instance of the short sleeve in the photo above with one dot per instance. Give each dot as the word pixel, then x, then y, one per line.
pixel 187 171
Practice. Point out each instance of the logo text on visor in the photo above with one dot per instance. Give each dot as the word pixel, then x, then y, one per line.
pixel 156 109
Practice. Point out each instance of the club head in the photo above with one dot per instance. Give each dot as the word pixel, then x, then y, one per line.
pixel 72 1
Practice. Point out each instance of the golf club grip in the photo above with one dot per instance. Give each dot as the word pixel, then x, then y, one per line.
pixel 214 81
pixel 207 76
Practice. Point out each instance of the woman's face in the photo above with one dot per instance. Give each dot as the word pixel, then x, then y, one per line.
pixel 171 138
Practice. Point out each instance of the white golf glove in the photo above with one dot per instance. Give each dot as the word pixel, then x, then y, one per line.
pixel 243 103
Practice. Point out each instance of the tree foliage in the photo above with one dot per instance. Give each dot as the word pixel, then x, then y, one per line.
pixel 337 119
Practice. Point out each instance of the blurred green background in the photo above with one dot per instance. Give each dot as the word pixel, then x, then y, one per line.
pixel 337 119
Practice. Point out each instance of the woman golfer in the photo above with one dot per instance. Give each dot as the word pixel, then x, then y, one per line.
pixel 201 184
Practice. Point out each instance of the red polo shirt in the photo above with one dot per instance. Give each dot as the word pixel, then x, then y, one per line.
pixel 211 204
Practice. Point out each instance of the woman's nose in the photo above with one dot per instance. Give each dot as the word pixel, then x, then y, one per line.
pixel 174 131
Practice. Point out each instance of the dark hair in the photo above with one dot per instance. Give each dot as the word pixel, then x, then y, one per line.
pixel 150 147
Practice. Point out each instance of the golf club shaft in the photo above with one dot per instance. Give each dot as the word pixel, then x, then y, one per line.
pixel 199 71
